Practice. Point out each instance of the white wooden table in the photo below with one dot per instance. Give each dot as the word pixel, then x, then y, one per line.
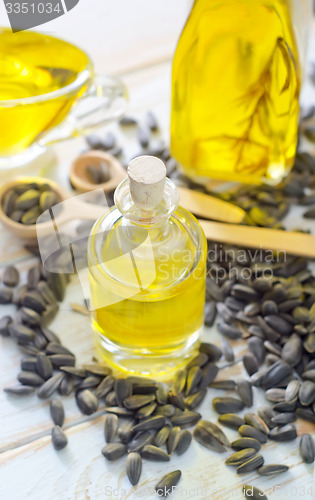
pixel 135 40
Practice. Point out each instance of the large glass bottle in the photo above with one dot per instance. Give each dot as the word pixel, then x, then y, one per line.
pixel 147 263
pixel 235 90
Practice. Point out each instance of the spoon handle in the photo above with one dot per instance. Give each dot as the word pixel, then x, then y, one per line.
pixel 289 242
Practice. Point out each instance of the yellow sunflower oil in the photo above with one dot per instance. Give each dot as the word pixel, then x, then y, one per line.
pixel 34 68
pixel 235 91
pixel 147 281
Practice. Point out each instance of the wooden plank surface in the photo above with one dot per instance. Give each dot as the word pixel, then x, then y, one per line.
pixel 29 467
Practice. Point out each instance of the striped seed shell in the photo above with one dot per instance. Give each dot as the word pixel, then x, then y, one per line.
pixel 162 435
pixel 136 401
pixel 162 393
pixel 252 464
pixel 231 420
pixel 87 402
pixel 62 360
pixel 242 443
pixel 210 436
pixel 89 382
pixel 307 448
pixel 251 432
pixel 186 418
pixel 176 399
pixel 213 352
pixel 256 422
pixel 257 348
pixel 209 373
pixel 123 389
pixel 284 418
pixel 66 386
pixel 154 453
pixel 30 378
pixel 59 438
pixel 253 493
pixel 200 360
pixel 19 390
pixel 194 377
pixel 275 395
pixel 250 363
pixel 285 433
pixel 245 392
pixel 272 469
pixel 241 456
pixel 44 366
pixel 21 333
pixel 227 405
pixel 194 400
pixel 224 385
pixel 144 388
pixel 120 412
pixel 179 381
pixel 57 412
pixel 105 387
pixel 151 423
pixel 11 276
pixel 110 427
pixel 307 393
pixel 140 440
pixel 113 451
pixel 125 431
pixel 167 484
pixel 266 413
pixel 146 410
pixel 166 410
pixel 173 439
pixel 227 349
pixel 134 467
pixel 292 390
pixel 50 386
pixel 184 441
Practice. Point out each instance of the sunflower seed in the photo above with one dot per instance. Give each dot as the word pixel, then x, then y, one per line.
pixel 113 451
pixel 19 390
pixel 29 378
pixel 110 427
pixel 167 410
pixel 253 493
pixel 292 350
pixel 8 203
pixel 120 412
pixel 105 387
pixel 209 373
pixel 285 433
pixel 275 395
pixel 58 437
pixel 73 371
pixel 57 283
pixel 285 407
pixel 292 390
pixel 229 331
pixel 256 422
pixel 154 453
pixel 225 385
pixel 57 412
pixel 87 402
pixel 241 456
pixel 28 363
pixel 46 293
pixel 306 414
pixel 213 352
pixel 231 420
pixel 161 437
pixel 275 373
pixel 309 375
pixel 137 401
pixel 89 382
pixel 227 405
pixel 284 418
pixel 11 276
pixel 307 448
pixel 173 439
pixel 200 360
pixel 257 348
pixel 272 469
pixel 43 366
pixel 34 301
pixel 146 410
pixel 56 348
pixel 50 386
pixel 227 350
pixel 211 436
pixel 140 440
pixel 252 464
pixel 251 432
pixel 144 388
pixel 270 333
pixel 162 394
pixel 62 360
pixel 193 401
pixel 184 441
pixel 125 431
pixel 244 292
pixel 134 467
pixel 152 423
pixel 186 418
pixel 27 200
pixel 40 340
pixel 243 443
pixel 245 392
pixel 194 377
pixel 307 393
pixel 167 484
pixel 22 333
pixel 5 322
pixel 250 363
pixel 66 386
pixel 176 399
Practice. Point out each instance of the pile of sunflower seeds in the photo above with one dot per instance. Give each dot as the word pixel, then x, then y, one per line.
pixel 27 201
pixel 149 420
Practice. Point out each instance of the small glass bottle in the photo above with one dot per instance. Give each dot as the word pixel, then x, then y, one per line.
pixel 147 266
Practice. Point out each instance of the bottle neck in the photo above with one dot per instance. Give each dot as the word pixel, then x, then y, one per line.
pixel 147 219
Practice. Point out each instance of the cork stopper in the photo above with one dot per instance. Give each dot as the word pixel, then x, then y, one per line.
pixel 147 176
